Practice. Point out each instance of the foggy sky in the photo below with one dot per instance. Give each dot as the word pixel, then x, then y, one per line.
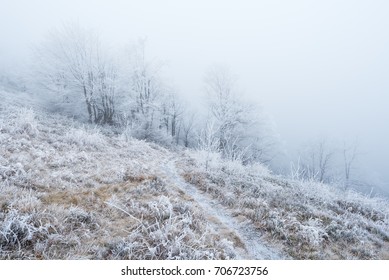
pixel 319 68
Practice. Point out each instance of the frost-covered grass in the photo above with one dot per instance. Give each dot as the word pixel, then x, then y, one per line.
pixel 53 152
pixel 68 191
pixel 165 228
pixel 71 191
pixel 309 220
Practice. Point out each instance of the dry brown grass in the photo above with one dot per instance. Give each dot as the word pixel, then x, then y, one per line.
pixel 103 222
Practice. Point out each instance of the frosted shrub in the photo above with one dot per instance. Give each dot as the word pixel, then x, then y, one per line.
pixel 151 135
pixel 206 159
pixel 258 169
pixel 14 174
pixel 85 139
pixel 78 218
pixel 18 230
pixel 126 134
pixel 313 232
pixel 26 122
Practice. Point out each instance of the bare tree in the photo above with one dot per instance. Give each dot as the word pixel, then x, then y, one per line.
pixel 171 115
pixel 321 159
pixel 146 90
pixel 224 107
pixel 208 141
pixel 107 93
pixel 187 126
pixel 317 161
pixel 349 156
pixel 239 124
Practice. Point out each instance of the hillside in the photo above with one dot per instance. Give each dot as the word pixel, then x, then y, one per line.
pixel 73 191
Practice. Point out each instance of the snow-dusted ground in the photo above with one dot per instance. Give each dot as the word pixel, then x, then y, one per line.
pixel 70 191
pixel 306 219
pixel 249 244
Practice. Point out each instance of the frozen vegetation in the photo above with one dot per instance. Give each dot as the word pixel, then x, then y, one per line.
pixel 305 218
pixel 70 190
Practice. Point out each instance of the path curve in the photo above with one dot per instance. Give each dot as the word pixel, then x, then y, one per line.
pixel 250 245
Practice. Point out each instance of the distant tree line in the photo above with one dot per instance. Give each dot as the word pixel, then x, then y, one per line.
pixel 126 91
pixel 322 162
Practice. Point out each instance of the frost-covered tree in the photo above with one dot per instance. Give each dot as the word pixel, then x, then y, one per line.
pixel 172 112
pixel 239 125
pixel 153 110
pixel 73 65
pixel 228 113
pixel 208 141
pixel 145 87
pixel 188 127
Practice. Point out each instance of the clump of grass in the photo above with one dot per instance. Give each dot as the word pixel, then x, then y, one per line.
pixel 20 231
pixel 85 138
pixel 168 230
pixel 25 122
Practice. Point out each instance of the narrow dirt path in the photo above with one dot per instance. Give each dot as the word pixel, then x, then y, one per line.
pixel 247 240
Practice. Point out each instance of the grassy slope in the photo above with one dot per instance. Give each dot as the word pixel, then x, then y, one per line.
pixel 307 219
pixel 68 192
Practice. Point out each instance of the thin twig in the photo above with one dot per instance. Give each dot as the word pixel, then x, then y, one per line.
pixel 124 211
